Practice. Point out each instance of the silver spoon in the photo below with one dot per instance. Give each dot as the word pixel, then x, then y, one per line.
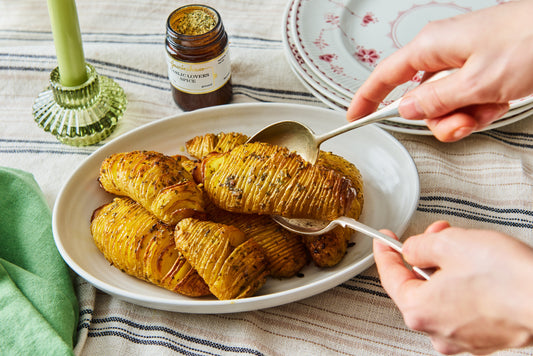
pixel 301 139
pixel 317 227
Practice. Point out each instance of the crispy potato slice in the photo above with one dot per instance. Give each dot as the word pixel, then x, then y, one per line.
pixel 232 266
pixel 285 251
pixel 158 182
pixel 201 146
pixel 328 249
pixel 137 243
pixel 349 170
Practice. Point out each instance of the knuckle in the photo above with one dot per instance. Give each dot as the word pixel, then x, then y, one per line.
pixel 430 31
pixel 440 244
pixel 414 320
pixel 482 91
pixel 445 348
pixel 433 104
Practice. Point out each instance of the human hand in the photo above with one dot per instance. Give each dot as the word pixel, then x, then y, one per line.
pixel 493 49
pixel 479 298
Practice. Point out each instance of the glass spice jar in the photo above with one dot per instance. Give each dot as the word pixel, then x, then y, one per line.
pixel 199 68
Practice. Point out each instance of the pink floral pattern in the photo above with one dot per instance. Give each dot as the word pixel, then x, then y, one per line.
pixel 319 42
pixel 328 57
pixel 337 69
pixel 369 56
pixel 368 19
pixel 331 34
pixel 296 54
pixel 332 19
pixel 417 78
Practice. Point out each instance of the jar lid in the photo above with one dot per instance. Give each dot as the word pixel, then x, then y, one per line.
pixel 193 20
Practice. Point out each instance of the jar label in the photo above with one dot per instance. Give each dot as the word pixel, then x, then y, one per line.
pixel 199 78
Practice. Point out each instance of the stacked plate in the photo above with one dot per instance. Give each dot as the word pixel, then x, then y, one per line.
pixel 333 45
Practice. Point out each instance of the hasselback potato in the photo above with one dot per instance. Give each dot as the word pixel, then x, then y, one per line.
pixel 325 250
pixel 285 251
pixel 328 249
pixel 348 170
pixel 232 266
pixel 156 181
pixel 265 179
pixel 136 242
pixel 201 146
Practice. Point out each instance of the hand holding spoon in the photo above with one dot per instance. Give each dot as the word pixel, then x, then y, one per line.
pixel 301 139
pixel 317 227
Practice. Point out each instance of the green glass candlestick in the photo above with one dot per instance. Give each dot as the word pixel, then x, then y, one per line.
pixel 80 115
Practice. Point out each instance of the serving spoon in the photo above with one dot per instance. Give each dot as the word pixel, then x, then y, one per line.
pixel 317 227
pixel 301 139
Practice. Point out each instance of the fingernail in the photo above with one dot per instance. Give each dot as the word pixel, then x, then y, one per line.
pixel 462 132
pixel 410 109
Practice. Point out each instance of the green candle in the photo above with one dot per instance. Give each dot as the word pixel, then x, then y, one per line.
pixel 67 40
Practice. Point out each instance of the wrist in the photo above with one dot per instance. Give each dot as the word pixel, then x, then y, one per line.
pixel 521 302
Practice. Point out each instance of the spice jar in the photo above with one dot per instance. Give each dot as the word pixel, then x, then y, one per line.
pixel 199 68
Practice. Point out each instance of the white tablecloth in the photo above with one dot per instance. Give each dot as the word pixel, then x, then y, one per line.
pixel 484 181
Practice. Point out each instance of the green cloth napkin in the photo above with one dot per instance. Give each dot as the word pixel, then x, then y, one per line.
pixel 38 305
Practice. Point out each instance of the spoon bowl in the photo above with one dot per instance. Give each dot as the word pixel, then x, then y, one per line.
pixel 318 227
pixel 299 138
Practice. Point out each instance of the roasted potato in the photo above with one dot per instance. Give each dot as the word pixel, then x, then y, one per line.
pixel 265 179
pixel 201 146
pixel 347 169
pixel 158 182
pixel 328 249
pixel 136 242
pixel 285 252
pixel 232 266
pixel 325 250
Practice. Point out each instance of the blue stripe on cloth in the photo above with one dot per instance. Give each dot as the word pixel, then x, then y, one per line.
pixel 354 284
pixel 159 340
pixel 500 216
pixel 115 330
pixel 141 341
pixel 477 218
pixel 156 39
pixel 475 205
pixel 512 140
pixel 520 135
pixel 479 214
pixel 160 82
pixel 372 283
pixel 364 290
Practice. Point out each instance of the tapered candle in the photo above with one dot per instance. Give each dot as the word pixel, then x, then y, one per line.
pixel 67 41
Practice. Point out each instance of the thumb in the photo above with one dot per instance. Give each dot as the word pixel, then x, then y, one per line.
pixel 419 250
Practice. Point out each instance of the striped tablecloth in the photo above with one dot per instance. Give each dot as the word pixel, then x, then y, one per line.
pixel 484 181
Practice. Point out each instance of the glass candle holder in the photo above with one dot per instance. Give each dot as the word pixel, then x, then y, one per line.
pixel 80 115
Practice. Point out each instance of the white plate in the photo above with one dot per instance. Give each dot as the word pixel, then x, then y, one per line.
pixel 418 127
pixel 519 109
pixel 343 40
pixel 423 130
pixel 300 68
pixel 391 195
pixel 339 19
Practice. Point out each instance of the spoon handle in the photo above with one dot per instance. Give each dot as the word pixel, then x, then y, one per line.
pixel 386 112
pixel 367 230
